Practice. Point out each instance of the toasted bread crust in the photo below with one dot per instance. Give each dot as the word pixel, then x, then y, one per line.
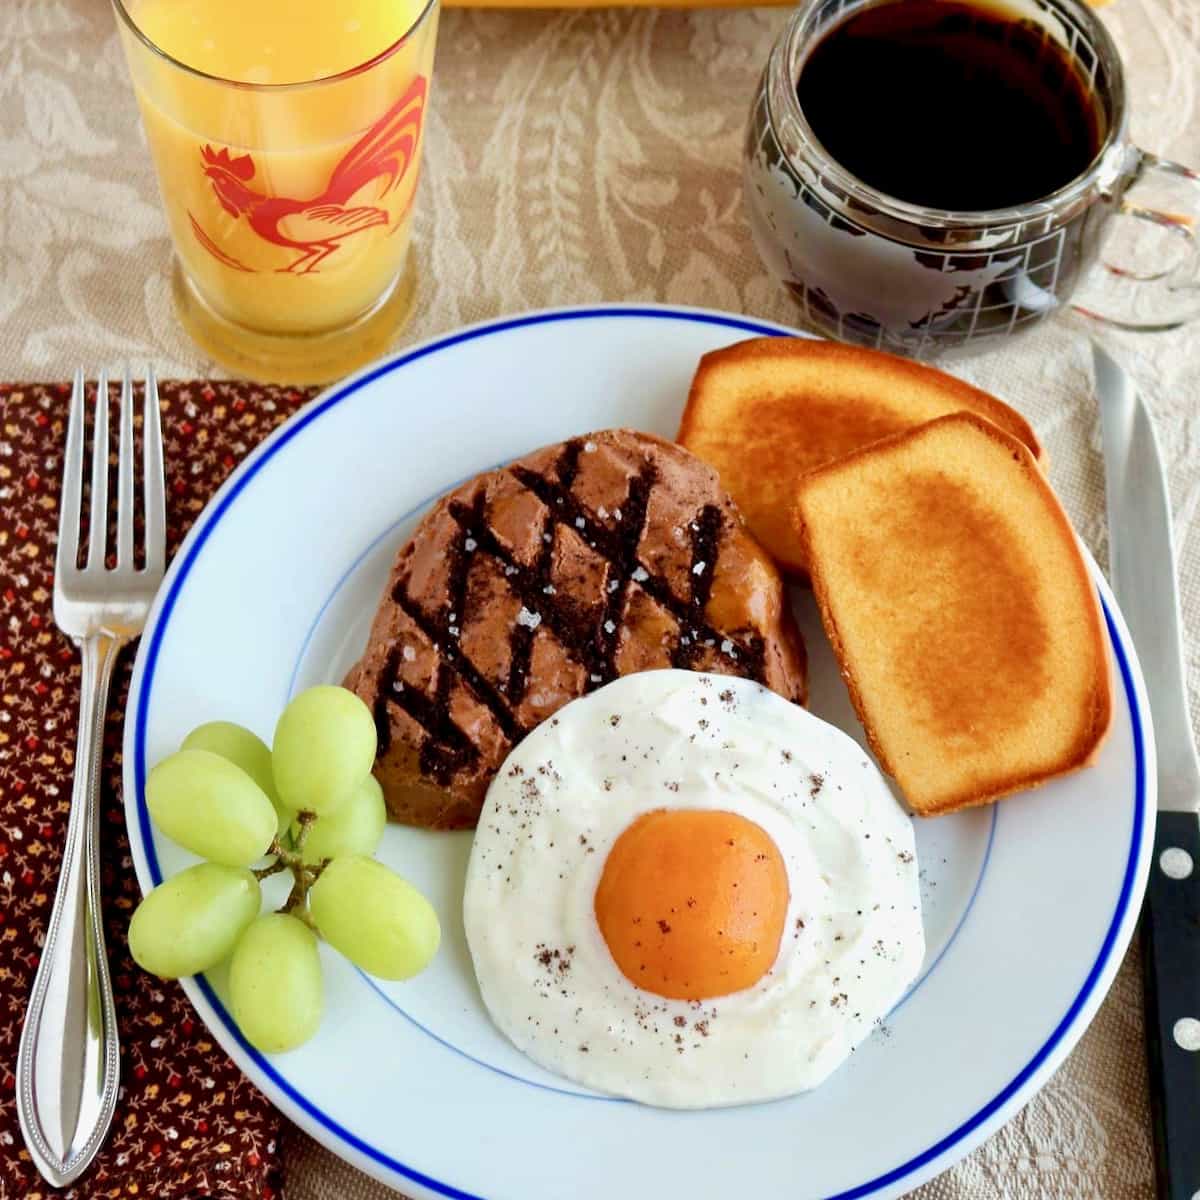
pixel 536 583
pixel 1097 707
pixel 806 431
pixel 837 354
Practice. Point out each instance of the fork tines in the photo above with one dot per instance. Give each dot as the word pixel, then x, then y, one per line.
pixel 153 498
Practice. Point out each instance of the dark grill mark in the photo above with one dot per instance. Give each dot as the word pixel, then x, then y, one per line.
pixel 446 748
pixel 379 710
pixel 520 638
pixel 576 626
pixel 706 545
pixel 633 513
pixel 567 466
pixel 565 509
pixel 569 621
pixel 453 658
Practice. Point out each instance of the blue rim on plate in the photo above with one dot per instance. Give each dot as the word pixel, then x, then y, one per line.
pixel 209 520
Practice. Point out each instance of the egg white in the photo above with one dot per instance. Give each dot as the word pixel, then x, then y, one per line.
pixel 852 941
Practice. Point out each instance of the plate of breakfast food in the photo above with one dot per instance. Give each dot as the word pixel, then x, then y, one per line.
pixel 767 765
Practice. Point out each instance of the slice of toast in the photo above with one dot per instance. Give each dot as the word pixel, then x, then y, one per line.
pixel 953 591
pixel 767 411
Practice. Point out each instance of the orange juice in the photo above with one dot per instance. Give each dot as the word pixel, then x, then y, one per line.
pixel 274 41
pixel 288 151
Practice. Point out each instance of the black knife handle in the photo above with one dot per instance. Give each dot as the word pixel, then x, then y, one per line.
pixel 1171 958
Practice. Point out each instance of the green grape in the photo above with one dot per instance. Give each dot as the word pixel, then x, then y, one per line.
pixel 210 807
pixel 379 921
pixel 246 750
pixel 324 748
pixel 193 920
pixel 275 988
pixel 354 828
pixel 241 747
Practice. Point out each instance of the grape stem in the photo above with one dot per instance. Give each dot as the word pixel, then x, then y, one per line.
pixel 304 875
pixel 305 820
pixel 297 901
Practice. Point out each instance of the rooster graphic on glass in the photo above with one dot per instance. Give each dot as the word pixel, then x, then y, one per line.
pixel 312 229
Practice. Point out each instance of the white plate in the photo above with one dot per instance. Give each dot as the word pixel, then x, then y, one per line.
pixel 1028 905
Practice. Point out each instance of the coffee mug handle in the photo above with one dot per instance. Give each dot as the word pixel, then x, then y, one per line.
pixel 1176 289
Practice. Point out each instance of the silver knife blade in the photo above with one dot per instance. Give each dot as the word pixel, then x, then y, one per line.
pixel 1141 558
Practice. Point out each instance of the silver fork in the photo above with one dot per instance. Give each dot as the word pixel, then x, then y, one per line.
pixel 68 1064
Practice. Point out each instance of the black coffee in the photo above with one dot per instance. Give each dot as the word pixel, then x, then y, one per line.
pixel 950 104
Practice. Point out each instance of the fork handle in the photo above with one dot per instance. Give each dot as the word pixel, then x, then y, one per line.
pixel 68 1064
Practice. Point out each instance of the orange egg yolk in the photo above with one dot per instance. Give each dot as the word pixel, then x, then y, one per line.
pixel 692 903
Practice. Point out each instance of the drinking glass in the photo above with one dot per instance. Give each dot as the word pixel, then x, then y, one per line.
pixel 869 268
pixel 289 205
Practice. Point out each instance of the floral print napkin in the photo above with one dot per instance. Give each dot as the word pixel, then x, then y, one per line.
pixel 188 1123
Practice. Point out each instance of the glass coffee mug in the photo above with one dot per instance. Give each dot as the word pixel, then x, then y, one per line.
pixel 866 267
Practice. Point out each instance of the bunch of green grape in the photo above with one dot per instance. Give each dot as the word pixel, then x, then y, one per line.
pixel 312 805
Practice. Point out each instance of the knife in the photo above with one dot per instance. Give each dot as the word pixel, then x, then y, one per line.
pixel 1142 569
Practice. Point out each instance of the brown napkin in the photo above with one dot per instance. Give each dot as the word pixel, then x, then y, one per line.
pixel 188 1124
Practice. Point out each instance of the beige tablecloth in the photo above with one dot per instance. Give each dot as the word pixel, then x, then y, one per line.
pixel 577 156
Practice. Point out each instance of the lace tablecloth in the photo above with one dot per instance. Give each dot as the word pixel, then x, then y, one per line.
pixel 577 156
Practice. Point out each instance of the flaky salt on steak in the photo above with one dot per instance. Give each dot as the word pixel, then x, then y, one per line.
pixel 533 584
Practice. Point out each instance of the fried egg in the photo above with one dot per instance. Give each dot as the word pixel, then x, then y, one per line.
pixel 688 891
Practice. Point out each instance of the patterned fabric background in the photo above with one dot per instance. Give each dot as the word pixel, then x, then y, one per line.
pixel 188 1123
pixel 571 157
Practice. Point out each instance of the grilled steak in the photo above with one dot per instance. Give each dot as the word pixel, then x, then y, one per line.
pixel 533 584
